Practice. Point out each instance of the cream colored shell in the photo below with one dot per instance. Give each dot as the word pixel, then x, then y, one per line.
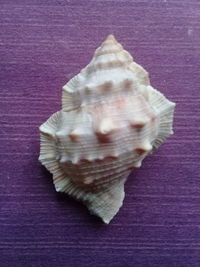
pixel 111 118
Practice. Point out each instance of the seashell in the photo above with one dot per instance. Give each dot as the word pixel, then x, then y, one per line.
pixel 111 119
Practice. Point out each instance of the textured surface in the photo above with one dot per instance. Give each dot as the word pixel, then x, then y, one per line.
pixel 111 119
pixel 44 43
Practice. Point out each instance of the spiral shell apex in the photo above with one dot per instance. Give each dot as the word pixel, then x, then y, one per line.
pixel 111 119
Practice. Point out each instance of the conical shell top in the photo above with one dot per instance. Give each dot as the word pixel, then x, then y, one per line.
pixel 111 118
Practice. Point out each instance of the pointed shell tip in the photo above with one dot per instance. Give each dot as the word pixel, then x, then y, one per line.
pixel 106 221
pixel 110 37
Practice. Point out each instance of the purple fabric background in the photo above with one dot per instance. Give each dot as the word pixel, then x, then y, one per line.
pixel 42 45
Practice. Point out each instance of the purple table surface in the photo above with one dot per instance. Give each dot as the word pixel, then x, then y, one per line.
pixel 42 45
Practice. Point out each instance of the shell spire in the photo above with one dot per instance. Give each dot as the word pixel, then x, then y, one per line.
pixel 111 119
pixel 111 38
pixel 108 46
pixel 84 88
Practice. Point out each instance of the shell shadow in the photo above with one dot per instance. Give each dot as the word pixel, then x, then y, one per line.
pixel 77 208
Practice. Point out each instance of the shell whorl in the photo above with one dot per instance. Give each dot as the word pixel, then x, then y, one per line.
pixel 93 84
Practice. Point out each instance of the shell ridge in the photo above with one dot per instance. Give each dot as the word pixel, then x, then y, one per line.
pixel 165 109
